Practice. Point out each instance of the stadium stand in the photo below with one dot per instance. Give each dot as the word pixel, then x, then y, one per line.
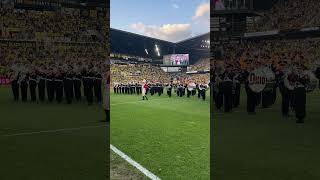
pixel 273 51
pixel 133 57
pixel 292 14
pixel 35 37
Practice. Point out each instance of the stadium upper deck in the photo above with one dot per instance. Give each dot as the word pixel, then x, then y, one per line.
pixel 127 43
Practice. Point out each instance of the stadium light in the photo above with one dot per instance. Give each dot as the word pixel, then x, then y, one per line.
pixel 157 50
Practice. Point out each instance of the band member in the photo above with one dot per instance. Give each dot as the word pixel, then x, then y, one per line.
pixel 90 83
pixel 169 89
pixel 132 88
pixel 15 86
pixel 33 86
pixel 50 87
pixel 227 93
pixel 300 97
pixel 115 88
pixel 218 92
pixel 190 88
pixel 84 74
pixel 268 93
pixel 77 86
pixel 138 88
pixel 317 73
pixel 237 89
pixel 202 88
pixel 97 87
pixel 41 86
pixel 180 90
pixel 159 86
pixel 58 83
pixel 123 87
pixel 152 89
pixel 68 87
pixel 107 96
pixel 286 89
pixel 145 88
pixel 251 96
pixel 24 87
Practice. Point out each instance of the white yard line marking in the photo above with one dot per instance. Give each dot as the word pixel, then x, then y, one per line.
pixel 133 102
pixel 53 131
pixel 134 163
pixel 140 101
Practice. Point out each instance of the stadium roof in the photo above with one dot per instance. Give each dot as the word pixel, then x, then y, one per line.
pixel 195 37
pixel 138 35
pixel 122 42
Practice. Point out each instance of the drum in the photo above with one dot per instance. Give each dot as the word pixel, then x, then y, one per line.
pixel 191 86
pixel 313 81
pixel 271 79
pixel 257 80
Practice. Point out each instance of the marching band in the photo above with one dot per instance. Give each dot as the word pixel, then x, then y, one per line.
pixel 261 86
pixel 181 89
pixel 55 83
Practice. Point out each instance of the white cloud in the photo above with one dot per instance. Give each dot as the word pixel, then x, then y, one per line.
pixel 202 15
pixel 202 10
pixel 176 6
pixel 169 32
pixel 177 32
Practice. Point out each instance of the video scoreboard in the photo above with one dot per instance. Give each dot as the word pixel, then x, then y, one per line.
pixel 176 60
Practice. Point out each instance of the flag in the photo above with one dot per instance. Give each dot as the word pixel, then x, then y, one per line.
pixel 218 5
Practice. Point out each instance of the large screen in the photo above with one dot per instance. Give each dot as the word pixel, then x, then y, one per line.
pixel 176 60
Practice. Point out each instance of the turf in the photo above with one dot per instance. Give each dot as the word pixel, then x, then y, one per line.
pixel 120 169
pixel 80 154
pixel 168 136
pixel 267 146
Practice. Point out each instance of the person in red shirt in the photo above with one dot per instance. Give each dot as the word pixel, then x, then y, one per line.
pixel 145 88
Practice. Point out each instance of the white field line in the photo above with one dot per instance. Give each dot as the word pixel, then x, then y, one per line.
pixel 71 129
pixel 53 131
pixel 133 102
pixel 134 163
pixel 113 148
pixel 140 101
pixel 67 129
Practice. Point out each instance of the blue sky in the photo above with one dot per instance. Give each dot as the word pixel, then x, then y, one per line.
pixel 172 20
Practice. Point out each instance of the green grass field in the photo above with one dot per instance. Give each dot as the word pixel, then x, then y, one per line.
pixel 120 169
pixel 267 146
pixel 76 149
pixel 168 136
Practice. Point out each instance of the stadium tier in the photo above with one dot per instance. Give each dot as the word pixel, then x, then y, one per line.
pixel 134 45
pixel 34 39
pixel 238 16
pixel 135 57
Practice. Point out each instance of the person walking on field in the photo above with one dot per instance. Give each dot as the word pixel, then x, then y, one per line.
pixel 144 90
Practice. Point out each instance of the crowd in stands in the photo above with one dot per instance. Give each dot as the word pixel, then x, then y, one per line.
pixel 126 73
pixel 30 55
pixel 46 25
pixel 291 14
pixel 44 38
pixel 199 78
pixel 277 52
pixel 201 65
